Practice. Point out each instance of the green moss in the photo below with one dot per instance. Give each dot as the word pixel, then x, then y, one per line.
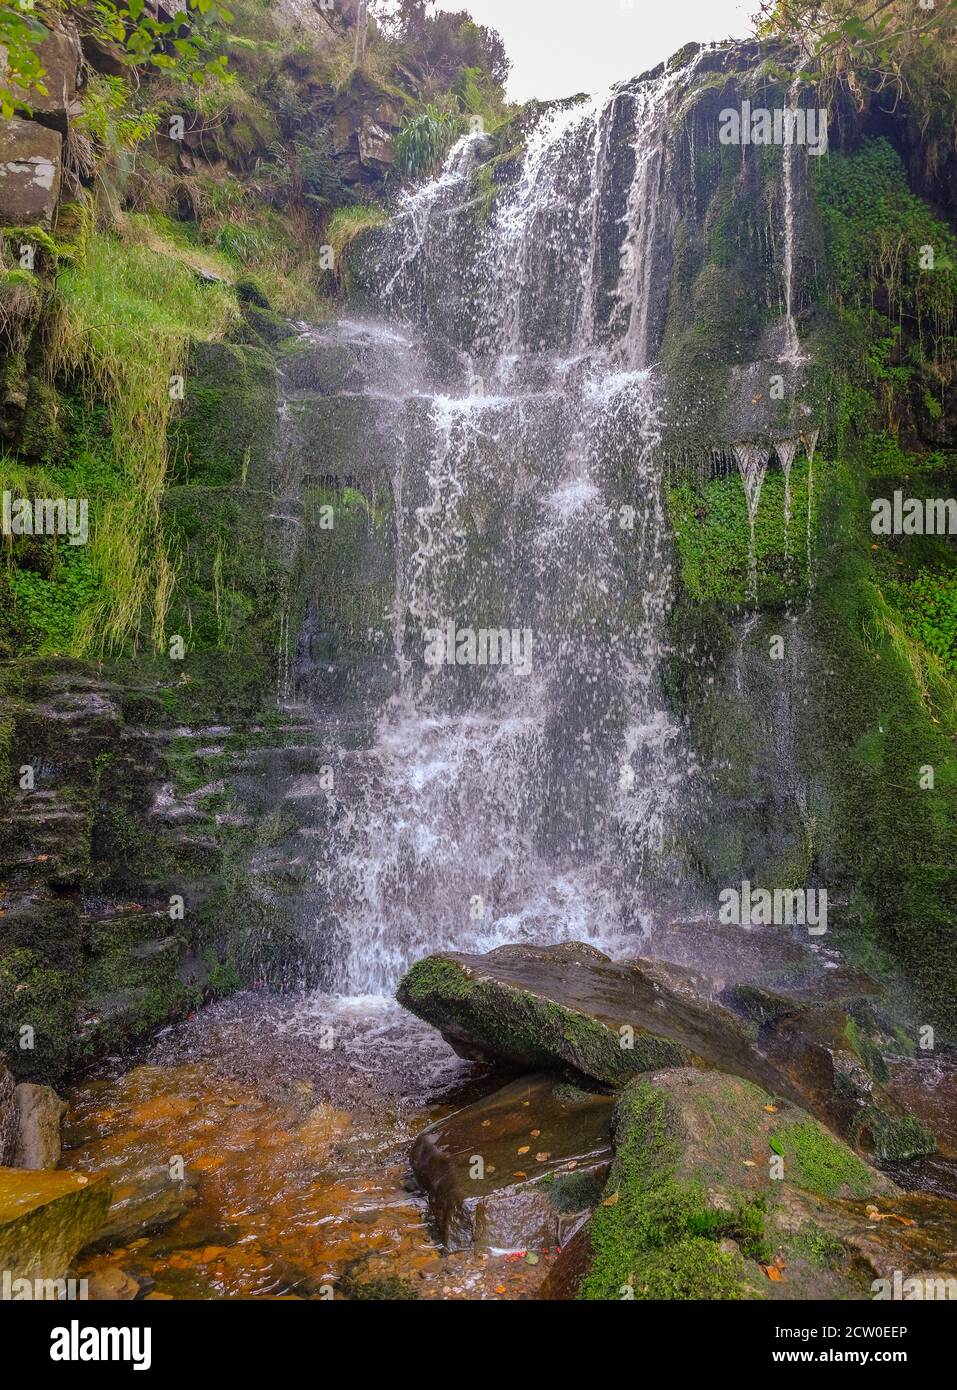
pixel 435 976
pixel 712 537
pixel 574 1191
pixel 34 995
pixel 895 1138
pixel 875 229
pixel 226 430
pixel 817 1246
pixel 821 1164
pixel 654 1233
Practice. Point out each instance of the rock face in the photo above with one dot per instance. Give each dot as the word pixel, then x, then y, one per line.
pixel 9 1119
pixel 40 1111
pixel 718 1192
pixel 30 167
pixel 45 1219
pixel 571 1007
pixel 517 1170
pixel 60 57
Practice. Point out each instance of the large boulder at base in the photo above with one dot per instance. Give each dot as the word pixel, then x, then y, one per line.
pixel 518 1169
pixel 30 166
pixel 719 1192
pixel 40 1112
pixel 558 1006
pixel 571 1007
pixel 46 1218
pixel 9 1116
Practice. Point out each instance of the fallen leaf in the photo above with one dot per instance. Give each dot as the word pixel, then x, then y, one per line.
pixel 519 1175
pixel 771 1109
pixel 542 1157
pixel 524 1149
pixel 611 1201
pixel 535 1133
pixel 486 1123
pixel 500 1288
pixel 773 1273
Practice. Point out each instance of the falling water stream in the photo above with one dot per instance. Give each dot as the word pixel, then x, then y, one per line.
pixel 532 795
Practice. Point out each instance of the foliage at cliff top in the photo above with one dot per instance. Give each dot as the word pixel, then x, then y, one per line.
pixel 901 53
pixel 178 46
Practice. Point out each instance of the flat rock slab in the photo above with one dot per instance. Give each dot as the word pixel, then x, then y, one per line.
pixel 518 1169
pixel 46 1218
pixel 570 1007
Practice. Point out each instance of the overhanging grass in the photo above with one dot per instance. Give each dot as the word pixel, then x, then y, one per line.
pixel 125 318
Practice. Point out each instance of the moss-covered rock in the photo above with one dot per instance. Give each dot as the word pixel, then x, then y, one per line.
pixel 521 1004
pixel 571 1007
pixel 46 1218
pixel 226 431
pixel 713 1183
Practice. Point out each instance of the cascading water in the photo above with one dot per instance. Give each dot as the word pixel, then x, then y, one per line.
pixel 522 783
pixel 752 461
pixel 786 450
pixel 792 344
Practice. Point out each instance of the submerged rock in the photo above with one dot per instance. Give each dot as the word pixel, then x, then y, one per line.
pixel 46 1218
pixel 40 1112
pixel 516 1170
pixel 145 1199
pixel 571 1007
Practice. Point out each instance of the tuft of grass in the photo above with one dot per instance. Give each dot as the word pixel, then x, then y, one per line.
pixel 345 225
pixel 124 320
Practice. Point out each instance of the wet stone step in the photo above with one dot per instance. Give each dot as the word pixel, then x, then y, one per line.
pixel 519 1169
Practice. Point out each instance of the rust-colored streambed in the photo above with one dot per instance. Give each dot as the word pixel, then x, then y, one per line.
pixel 261 1150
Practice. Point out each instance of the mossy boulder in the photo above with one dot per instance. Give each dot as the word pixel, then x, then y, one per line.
pixel 560 1006
pixel 570 1007
pixel 46 1218
pixel 714 1184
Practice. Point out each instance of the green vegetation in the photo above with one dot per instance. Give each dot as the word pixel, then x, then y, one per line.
pixel 424 140
pixel 886 248
pixel 654 1233
pixel 180 47
pixel 127 315
pixel 712 536
pixel 821 1164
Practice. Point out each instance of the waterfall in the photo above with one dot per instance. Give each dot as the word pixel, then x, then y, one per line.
pixel 792 345
pixel 524 779
pixel 810 444
pixel 752 461
pixel 786 449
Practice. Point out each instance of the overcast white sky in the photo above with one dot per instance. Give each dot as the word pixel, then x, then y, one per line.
pixel 561 47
